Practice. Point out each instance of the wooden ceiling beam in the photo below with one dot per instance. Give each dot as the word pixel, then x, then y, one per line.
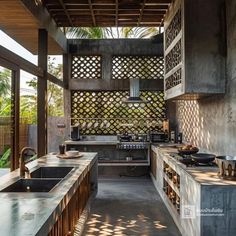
pixel 66 12
pixel 73 14
pixel 141 13
pixel 151 18
pixel 117 12
pixel 92 13
pixel 109 8
pixel 88 18
pixel 156 8
pixel 106 2
pixel 81 2
pixel 159 2
pixel 125 24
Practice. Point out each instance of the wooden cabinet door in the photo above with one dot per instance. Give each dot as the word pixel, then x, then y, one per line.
pixel 153 164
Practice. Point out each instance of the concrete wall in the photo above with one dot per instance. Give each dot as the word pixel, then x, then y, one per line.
pixel 55 136
pixel 107 48
pixel 32 136
pixel 210 123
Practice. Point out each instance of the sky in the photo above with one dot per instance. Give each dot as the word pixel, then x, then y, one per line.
pixel 15 47
pixel 10 44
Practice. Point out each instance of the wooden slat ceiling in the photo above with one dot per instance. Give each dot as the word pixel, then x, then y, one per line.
pixel 107 13
pixel 19 23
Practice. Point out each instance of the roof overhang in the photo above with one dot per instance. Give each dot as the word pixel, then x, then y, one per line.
pixel 21 21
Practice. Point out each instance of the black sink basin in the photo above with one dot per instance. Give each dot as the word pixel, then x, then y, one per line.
pixel 51 172
pixel 32 185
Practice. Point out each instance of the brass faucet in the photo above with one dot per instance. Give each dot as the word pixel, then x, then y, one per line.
pixel 23 168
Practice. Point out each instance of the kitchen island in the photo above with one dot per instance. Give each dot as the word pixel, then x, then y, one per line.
pixel 112 152
pixel 201 203
pixel 49 213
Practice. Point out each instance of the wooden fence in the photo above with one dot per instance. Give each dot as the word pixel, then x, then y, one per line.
pixel 6 130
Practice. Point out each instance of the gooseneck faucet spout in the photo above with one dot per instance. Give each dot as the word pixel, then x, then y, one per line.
pixel 23 168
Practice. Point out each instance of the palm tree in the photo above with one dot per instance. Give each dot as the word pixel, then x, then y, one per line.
pixel 110 32
pixel 85 32
pixel 138 32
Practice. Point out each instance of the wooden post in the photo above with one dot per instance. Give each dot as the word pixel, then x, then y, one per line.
pixel 66 92
pixel 65 71
pixel 42 92
pixel 15 124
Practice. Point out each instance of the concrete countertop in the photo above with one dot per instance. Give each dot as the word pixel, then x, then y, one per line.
pixel 32 213
pixel 91 142
pixel 203 175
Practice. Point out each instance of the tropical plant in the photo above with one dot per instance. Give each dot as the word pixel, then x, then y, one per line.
pixel 55 94
pixel 5 82
pixel 5 92
pixel 110 32
pixel 5 159
pixel 85 32
pixel 134 32
pixel 28 108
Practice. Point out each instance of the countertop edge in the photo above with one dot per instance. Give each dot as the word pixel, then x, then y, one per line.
pixel 196 172
pixel 59 199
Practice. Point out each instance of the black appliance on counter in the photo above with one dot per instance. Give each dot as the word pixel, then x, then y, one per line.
pixel 124 137
pixel 158 137
pixel 133 141
pixel 132 137
pixel 75 133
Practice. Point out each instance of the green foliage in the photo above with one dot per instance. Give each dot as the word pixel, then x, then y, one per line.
pixel 110 32
pixel 141 32
pixel 5 159
pixel 5 92
pixel 55 95
pixel 5 82
pixel 28 108
pixel 85 32
pixel 55 100
pixel 28 103
pixel 5 106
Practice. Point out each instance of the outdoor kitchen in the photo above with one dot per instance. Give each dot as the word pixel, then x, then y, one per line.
pixel 145 142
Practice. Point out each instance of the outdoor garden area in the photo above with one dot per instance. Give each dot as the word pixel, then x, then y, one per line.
pixel 28 108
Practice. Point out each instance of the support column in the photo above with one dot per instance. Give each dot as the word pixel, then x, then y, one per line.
pixel 42 93
pixel 15 119
pixel 67 93
pixel 66 71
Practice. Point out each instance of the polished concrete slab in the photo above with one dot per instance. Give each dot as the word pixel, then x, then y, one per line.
pixel 129 206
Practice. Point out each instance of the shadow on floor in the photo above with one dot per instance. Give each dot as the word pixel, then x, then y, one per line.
pixel 129 207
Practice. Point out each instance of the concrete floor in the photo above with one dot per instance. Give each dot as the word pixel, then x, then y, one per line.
pixel 127 206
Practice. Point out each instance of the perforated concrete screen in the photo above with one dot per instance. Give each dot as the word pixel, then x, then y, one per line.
pixel 104 112
pixel 173 29
pixel 142 67
pixel 86 67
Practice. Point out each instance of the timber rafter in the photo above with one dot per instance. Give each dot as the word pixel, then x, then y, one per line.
pixel 102 13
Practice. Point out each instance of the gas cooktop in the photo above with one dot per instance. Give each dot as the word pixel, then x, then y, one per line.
pixel 189 162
